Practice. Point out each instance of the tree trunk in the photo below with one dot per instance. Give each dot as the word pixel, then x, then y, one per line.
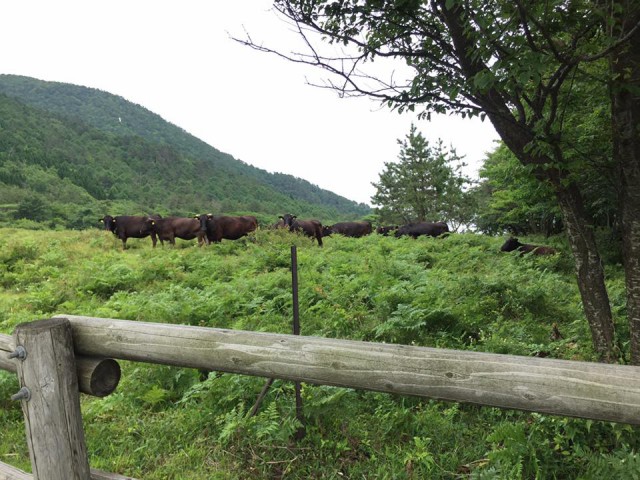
pixel 578 225
pixel 518 136
pixel 589 271
pixel 625 110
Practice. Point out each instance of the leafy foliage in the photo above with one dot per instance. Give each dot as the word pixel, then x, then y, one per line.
pixel 509 196
pixel 512 200
pixel 459 292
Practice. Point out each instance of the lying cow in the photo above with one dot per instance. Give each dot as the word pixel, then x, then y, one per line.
pixel 430 229
pixel 126 226
pixel 348 229
pixel 311 228
pixel 513 243
pixel 170 228
pixel 218 227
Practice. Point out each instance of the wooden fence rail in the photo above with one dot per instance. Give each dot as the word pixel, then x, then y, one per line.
pixel 576 389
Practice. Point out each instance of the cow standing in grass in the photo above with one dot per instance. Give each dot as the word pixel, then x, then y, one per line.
pixel 429 229
pixel 311 228
pixel 127 226
pixel 348 229
pixel 218 227
pixel 170 228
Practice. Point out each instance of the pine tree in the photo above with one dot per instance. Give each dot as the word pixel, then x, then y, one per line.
pixel 425 184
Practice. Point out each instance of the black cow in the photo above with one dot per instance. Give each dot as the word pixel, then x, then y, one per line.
pixel 386 230
pixel 218 227
pixel 348 229
pixel 311 228
pixel 431 229
pixel 170 228
pixel 513 243
pixel 126 226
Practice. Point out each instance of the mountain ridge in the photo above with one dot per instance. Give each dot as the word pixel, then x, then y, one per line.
pixel 138 141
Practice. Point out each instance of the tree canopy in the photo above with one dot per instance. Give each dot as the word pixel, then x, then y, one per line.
pixel 511 199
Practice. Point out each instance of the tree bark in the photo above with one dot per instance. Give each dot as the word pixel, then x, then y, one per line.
pixel 625 110
pixel 589 270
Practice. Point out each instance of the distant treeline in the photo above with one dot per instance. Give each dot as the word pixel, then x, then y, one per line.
pixel 70 154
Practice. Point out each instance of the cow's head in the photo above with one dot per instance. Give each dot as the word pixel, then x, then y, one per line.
pixel 327 230
pixel 444 228
pixel 109 223
pixel 510 245
pixel 151 221
pixel 204 219
pixel 386 229
pixel 288 219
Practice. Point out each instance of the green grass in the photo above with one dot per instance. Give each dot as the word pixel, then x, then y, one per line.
pixel 458 292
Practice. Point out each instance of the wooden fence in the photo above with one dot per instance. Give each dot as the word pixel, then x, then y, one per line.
pixel 49 393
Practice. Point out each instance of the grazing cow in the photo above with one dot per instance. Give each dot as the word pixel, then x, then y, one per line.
pixel 431 229
pixel 125 226
pixel 311 228
pixel 170 228
pixel 348 229
pixel 512 244
pixel 218 227
pixel 386 230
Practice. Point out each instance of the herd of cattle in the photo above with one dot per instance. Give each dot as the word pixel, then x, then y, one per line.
pixel 209 228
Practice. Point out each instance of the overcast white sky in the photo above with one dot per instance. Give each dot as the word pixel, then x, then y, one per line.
pixel 177 59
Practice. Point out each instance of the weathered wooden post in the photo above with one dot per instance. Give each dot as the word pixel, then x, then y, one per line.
pixel 50 400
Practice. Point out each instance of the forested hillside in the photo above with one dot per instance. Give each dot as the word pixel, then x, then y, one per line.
pixel 70 153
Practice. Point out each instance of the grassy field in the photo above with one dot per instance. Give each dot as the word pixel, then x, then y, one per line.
pixel 459 292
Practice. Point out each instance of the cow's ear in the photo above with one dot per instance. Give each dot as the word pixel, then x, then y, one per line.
pixel 280 216
pixel 101 220
pixel 294 216
pixel 209 215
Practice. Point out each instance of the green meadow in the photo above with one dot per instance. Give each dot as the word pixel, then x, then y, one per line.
pixel 457 292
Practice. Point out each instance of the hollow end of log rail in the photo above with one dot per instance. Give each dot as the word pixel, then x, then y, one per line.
pixel 97 376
